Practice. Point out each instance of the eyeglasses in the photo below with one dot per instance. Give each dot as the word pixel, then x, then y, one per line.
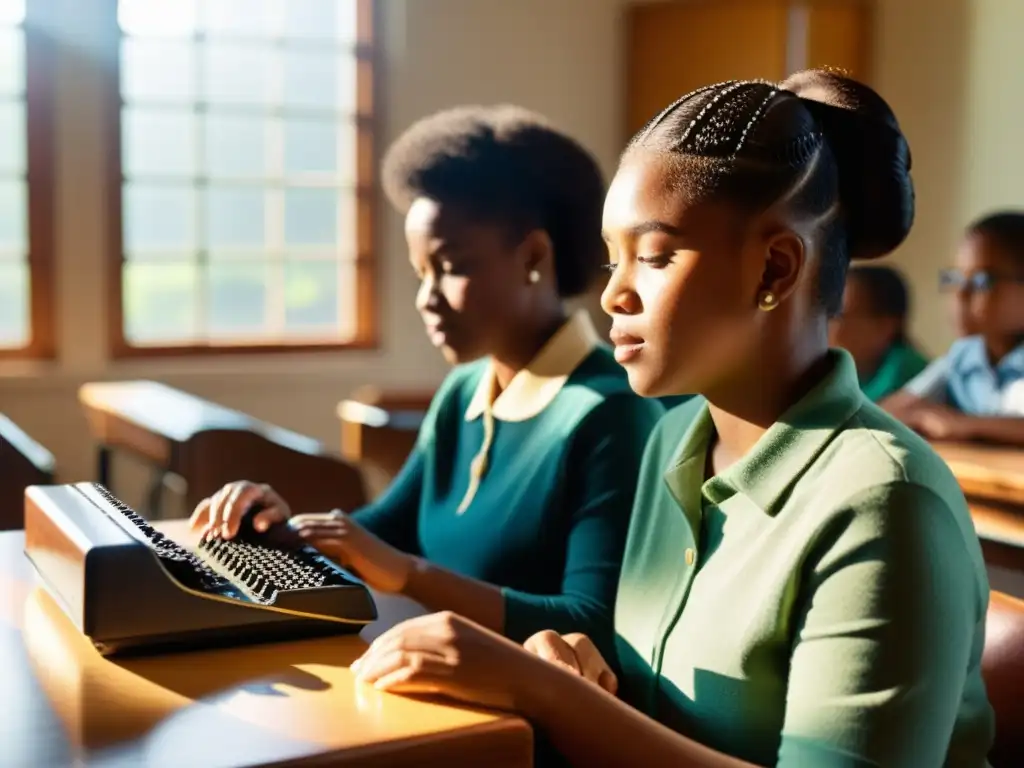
pixel 976 282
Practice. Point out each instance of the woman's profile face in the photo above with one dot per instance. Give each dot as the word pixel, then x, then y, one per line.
pixel 683 292
pixel 471 286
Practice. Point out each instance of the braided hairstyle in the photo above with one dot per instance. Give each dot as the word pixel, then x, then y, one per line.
pixel 827 146
pixel 507 166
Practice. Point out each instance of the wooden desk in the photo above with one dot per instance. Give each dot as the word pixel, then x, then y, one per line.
pixel 23 462
pixel 992 478
pixel 283 703
pixel 379 429
pixel 988 472
pixel 208 445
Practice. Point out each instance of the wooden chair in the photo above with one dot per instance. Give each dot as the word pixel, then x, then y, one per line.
pixel 379 429
pixel 1002 666
pixel 23 462
pixel 308 477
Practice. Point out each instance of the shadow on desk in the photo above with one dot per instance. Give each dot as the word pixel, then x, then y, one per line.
pixel 292 703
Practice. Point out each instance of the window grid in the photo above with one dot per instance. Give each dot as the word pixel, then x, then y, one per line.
pixel 348 254
pixel 26 221
pixel 15 315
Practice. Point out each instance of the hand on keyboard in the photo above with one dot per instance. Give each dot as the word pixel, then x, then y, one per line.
pixel 342 539
pixel 221 514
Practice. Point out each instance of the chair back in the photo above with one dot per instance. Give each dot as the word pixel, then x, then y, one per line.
pixel 1002 666
pixel 23 462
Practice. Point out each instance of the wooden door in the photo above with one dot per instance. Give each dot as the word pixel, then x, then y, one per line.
pixel 675 47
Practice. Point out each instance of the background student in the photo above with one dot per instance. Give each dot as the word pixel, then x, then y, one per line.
pixel 872 327
pixel 976 390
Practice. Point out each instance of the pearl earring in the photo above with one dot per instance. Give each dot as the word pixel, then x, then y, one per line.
pixel 767 301
pixel 534 276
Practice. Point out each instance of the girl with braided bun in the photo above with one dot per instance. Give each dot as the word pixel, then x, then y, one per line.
pixel 802 585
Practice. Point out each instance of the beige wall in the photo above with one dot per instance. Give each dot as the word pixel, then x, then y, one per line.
pixel 951 68
pixel 954 72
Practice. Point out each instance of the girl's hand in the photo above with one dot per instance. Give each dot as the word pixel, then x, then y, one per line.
pixel 443 653
pixel 342 539
pixel 576 653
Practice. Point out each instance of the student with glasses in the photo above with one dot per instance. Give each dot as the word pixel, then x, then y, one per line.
pixel 976 390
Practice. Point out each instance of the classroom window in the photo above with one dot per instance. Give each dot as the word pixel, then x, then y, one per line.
pixel 26 236
pixel 245 172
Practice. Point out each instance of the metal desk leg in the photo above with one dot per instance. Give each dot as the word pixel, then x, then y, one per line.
pixel 103 468
pixel 155 496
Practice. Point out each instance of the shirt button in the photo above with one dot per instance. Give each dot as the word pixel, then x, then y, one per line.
pixel 690 556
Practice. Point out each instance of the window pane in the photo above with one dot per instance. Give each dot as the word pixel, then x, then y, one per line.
pixel 13 222
pixel 160 18
pixel 311 297
pixel 12 11
pixel 251 18
pixel 237 300
pixel 236 146
pixel 310 216
pixel 160 302
pixel 157 70
pixel 237 73
pixel 158 142
pixel 158 216
pixel 321 19
pixel 320 79
pixel 311 146
pixel 12 61
pixel 234 216
pixel 14 304
pixel 12 129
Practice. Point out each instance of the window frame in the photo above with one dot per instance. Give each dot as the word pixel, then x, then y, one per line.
pixel 40 159
pixel 366 336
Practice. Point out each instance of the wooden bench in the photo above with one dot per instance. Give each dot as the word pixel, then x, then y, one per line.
pixel 23 462
pixel 207 445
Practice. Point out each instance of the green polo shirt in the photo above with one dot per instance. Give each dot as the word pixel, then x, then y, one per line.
pixel 530 489
pixel 901 363
pixel 820 603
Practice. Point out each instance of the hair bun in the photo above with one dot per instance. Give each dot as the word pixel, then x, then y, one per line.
pixel 872 156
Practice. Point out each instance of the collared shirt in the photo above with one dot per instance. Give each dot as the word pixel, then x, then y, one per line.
pixel 819 603
pixel 530 489
pixel 900 364
pixel 964 379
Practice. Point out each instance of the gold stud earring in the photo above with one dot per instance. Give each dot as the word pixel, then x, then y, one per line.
pixel 534 276
pixel 767 301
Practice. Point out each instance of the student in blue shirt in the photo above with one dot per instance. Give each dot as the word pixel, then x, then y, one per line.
pixel 976 390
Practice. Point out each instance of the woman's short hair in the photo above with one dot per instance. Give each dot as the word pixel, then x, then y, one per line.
pixel 507 166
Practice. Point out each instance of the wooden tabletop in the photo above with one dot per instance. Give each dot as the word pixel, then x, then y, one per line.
pixel 986 471
pixel 282 703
